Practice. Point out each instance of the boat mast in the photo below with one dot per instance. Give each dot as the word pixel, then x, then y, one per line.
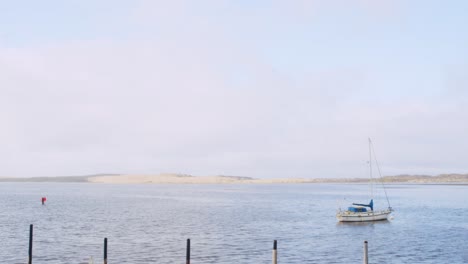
pixel 381 180
pixel 370 169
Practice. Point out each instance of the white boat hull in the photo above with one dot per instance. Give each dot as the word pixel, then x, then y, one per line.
pixel 348 216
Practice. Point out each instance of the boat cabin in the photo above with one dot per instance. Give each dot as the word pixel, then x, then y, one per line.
pixel 357 209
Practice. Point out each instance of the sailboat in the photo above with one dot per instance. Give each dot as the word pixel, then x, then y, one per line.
pixel 365 212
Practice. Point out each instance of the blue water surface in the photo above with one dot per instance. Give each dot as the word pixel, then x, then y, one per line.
pixel 147 223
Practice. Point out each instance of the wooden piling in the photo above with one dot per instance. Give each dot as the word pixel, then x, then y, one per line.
pixel 30 244
pixel 366 256
pixel 105 250
pixel 187 256
pixel 275 252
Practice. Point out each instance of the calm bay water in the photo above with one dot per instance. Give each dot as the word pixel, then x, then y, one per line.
pixel 229 223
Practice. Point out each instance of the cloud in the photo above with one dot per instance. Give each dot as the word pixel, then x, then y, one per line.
pixel 456 81
pixel 189 91
pixel 307 9
pixel 138 98
pixel 162 106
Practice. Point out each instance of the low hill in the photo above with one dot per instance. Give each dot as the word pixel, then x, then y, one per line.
pixel 442 178
pixel 83 178
pixel 169 178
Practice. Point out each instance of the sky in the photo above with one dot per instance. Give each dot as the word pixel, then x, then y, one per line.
pixel 258 88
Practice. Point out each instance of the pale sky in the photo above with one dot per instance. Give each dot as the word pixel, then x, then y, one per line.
pixel 233 87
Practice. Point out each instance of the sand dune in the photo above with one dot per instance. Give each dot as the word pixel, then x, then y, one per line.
pixel 187 179
pixel 171 178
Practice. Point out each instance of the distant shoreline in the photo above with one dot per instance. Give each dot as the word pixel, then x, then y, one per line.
pixel 443 179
